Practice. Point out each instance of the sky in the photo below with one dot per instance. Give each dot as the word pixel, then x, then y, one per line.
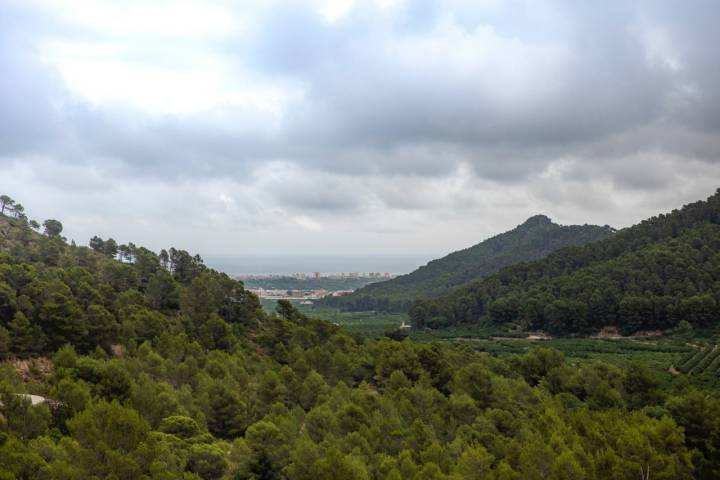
pixel 341 127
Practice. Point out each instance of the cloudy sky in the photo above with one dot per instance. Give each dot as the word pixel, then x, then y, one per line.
pixel 379 127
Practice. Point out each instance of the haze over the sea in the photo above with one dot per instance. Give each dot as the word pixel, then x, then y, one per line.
pixel 289 264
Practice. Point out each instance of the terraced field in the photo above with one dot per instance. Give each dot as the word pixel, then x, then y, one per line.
pixel 703 359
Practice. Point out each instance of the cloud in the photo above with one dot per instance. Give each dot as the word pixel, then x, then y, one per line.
pixel 275 123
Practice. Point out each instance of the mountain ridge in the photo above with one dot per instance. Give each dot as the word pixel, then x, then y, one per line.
pixel 535 238
pixel 649 276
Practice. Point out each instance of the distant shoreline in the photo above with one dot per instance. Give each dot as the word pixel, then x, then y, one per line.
pixel 327 265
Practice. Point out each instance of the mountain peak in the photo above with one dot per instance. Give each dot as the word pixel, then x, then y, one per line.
pixel 536 238
pixel 537 220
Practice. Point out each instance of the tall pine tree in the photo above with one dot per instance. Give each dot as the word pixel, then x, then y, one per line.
pixel 22 341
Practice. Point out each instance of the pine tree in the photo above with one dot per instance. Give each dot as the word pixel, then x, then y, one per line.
pixel 5 203
pixel 22 341
pixel 4 343
pixel 62 320
pixel 102 327
pixel 226 418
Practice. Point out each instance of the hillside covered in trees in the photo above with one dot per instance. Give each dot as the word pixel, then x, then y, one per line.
pixel 650 276
pixel 537 237
pixel 153 366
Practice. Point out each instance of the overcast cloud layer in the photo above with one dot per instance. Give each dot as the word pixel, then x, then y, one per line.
pixel 348 127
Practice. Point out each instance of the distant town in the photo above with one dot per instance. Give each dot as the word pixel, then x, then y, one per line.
pixel 307 287
pixel 317 276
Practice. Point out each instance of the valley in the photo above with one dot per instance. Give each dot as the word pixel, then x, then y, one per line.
pixel 157 366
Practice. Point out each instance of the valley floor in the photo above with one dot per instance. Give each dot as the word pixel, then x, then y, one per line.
pixel 666 354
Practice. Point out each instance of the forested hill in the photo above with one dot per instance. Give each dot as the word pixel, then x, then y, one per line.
pixel 650 276
pixel 151 366
pixel 534 239
pixel 53 293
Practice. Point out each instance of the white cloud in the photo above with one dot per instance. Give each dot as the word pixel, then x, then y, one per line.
pixel 162 90
pixel 155 18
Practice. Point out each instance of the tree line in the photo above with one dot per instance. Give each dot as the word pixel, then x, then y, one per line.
pixel 9 207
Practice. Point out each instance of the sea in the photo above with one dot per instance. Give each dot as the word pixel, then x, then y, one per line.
pixel 325 264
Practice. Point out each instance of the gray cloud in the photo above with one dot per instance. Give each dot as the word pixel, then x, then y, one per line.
pixel 595 80
pixel 500 94
pixel 28 119
pixel 431 110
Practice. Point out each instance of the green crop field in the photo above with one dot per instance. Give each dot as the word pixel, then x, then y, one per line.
pixel 702 363
pixel 370 324
pixel 588 348
pixel 698 358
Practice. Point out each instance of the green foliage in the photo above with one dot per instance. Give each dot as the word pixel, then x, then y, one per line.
pixel 4 343
pixel 109 437
pixel 371 324
pixel 537 363
pixel 227 415
pixel 52 294
pixel 476 381
pixel 700 360
pixel 207 461
pixel 103 328
pixel 683 328
pixel 21 418
pixel 181 426
pixel 336 465
pixel 53 228
pixel 115 382
pixel 19 461
pixel 269 449
pixel 74 394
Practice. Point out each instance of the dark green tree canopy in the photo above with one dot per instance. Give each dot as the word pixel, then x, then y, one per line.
pixel 650 276
pixel 53 228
